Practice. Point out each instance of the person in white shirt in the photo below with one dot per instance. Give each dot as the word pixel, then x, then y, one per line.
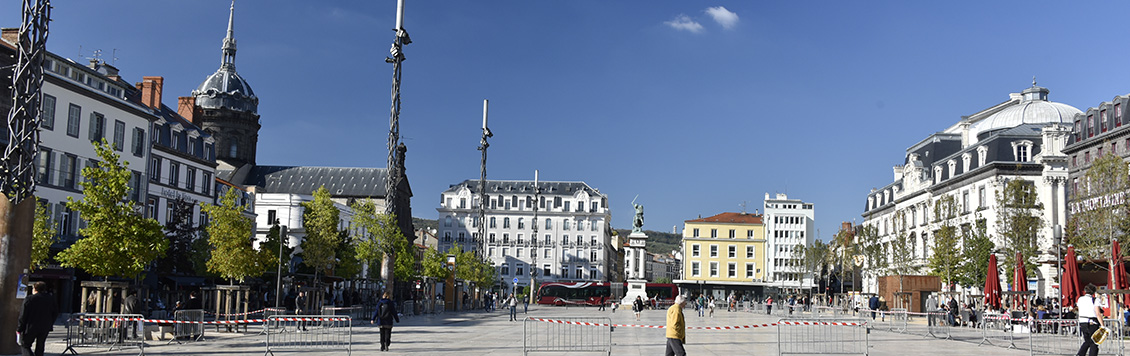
pixel 1090 320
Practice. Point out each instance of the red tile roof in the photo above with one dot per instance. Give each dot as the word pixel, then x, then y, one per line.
pixel 732 218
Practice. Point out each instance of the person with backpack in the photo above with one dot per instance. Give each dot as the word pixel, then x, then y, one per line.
pixel 384 317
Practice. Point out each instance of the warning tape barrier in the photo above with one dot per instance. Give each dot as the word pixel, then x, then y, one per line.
pixel 241 314
pixel 218 322
pixel 734 327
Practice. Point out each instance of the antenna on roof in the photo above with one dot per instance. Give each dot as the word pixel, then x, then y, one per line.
pixel 743 205
pixel 114 61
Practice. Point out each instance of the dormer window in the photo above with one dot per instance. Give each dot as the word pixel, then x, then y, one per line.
pixel 965 158
pixel 982 155
pixel 1090 125
pixel 1022 151
pixel 953 168
pixel 1102 118
pixel 1118 115
pixel 937 174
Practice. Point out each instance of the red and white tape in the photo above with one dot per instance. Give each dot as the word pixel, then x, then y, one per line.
pixel 217 322
pixel 734 327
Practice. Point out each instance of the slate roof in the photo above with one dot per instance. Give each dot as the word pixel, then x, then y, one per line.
pixel 733 218
pixel 340 181
pixel 526 186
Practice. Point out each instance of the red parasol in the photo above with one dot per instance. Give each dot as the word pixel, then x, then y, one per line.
pixel 1020 278
pixel 1069 283
pixel 993 284
pixel 1119 281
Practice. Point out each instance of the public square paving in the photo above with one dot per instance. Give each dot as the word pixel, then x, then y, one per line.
pixel 483 333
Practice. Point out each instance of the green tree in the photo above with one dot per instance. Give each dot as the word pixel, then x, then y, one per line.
pixel 118 240
pixel 946 256
pixel 874 251
pixel 231 239
pixel 1019 222
pixel 270 249
pixel 181 233
pixel 42 236
pixel 1105 212
pixel 976 246
pixel 435 264
pixel 347 264
pixel 320 219
pixel 406 261
pixel 380 241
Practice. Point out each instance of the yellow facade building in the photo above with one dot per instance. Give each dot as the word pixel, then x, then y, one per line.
pixel 724 254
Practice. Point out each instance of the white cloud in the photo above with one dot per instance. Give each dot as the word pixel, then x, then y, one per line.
pixel 684 22
pixel 723 17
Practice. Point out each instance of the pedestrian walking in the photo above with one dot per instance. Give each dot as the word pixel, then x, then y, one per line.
pixel 711 306
pixel 300 309
pixel 769 306
pixel 384 317
pixel 513 304
pixel 37 319
pixel 873 304
pixel 637 307
pixel 602 300
pixel 931 307
pixel 1089 320
pixel 676 328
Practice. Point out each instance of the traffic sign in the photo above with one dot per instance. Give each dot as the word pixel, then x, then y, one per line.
pixel 515 279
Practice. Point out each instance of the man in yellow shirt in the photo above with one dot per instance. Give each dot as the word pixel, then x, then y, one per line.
pixel 676 328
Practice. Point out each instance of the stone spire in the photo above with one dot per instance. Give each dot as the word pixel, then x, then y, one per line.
pixel 229 41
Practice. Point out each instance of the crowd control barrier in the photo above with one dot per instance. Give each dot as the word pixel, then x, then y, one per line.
pixel 567 335
pixel 938 324
pixel 188 326
pixel 843 336
pixel 112 331
pixel 306 332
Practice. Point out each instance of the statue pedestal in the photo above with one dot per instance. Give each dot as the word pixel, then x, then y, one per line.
pixel 636 288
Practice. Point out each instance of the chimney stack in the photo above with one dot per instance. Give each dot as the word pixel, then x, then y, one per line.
pixel 186 108
pixel 150 88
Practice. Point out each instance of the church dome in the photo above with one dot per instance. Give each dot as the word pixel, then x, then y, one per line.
pixel 1034 108
pixel 226 89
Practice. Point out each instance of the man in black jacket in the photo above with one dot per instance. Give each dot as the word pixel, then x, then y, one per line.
pixel 37 318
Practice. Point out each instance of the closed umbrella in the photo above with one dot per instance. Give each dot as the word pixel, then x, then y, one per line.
pixel 1020 278
pixel 1069 284
pixel 993 285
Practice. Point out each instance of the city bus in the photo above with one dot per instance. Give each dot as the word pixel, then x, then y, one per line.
pixel 589 293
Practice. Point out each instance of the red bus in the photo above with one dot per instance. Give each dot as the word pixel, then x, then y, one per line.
pixel 589 293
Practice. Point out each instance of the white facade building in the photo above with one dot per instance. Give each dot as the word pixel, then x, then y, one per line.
pixel 970 161
pixel 788 223
pixel 83 104
pixel 573 241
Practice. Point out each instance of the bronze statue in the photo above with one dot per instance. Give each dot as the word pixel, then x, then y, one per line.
pixel 637 223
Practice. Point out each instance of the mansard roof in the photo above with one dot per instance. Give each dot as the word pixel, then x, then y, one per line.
pixel 340 181
pixel 548 188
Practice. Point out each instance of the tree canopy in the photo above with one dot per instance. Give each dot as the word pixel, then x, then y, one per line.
pixel 42 236
pixel 231 239
pixel 118 240
pixel 1104 215
pixel 947 256
pixel 1019 222
pixel 320 220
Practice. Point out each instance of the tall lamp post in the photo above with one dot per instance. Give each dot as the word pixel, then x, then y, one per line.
pixel 1057 233
pixel 480 241
pixel 534 240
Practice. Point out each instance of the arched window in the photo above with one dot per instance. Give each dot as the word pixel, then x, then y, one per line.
pixel 447 221
pixel 233 149
pixel 548 224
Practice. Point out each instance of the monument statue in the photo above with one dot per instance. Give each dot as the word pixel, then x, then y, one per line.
pixel 637 223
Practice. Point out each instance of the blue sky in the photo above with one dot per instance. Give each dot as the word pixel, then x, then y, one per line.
pixel 693 107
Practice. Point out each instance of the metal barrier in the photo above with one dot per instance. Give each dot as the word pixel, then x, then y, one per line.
pixel 1055 337
pixel 822 336
pixel 408 308
pixel 352 312
pixel 304 332
pixel 114 331
pixel 938 324
pixel 188 325
pixel 997 330
pixel 267 314
pixel 567 335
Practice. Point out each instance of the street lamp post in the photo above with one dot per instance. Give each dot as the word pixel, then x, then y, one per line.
pixel 534 239
pixel 1057 233
pixel 278 280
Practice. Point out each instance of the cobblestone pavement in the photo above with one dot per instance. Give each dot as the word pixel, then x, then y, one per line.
pixel 483 333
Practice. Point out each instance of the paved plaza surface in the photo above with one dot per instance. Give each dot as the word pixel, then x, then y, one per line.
pixel 483 333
